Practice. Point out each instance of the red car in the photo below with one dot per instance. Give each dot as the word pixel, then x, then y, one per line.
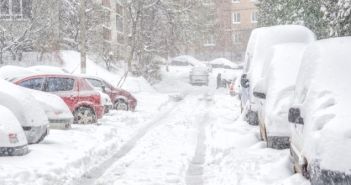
pixel 79 95
pixel 121 99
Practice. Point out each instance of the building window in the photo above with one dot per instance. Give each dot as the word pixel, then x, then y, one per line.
pixel 209 39
pixel 106 3
pixel 236 38
pixel 235 1
pixel 119 9
pixel 236 18
pixel 254 17
pixel 119 23
pixel 15 9
pixel 106 33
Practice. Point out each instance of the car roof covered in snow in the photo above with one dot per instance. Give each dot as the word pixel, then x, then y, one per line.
pixel 265 38
pixel 188 59
pixel 224 62
pixel 323 92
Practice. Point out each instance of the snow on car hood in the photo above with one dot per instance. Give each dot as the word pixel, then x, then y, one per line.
pixel 27 110
pixel 53 105
pixel 323 93
pixel 10 125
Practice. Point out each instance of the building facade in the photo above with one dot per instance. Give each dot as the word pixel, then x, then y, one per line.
pixel 236 19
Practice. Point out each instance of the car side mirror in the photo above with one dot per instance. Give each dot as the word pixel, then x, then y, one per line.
pixel 103 89
pixel 259 95
pixel 295 116
pixel 244 82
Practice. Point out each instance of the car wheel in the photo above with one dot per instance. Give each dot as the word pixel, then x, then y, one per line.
pixel 84 115
pixel 121 105
pixel 252 118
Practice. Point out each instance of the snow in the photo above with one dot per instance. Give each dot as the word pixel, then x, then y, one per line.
pixel 324 101
pixel 27 110
pixel 10 72
pixel 10 125
pixel 188 60
pixel 179 134
pixel 266 37
pixel 225 63
pixel 280 84
pixel 53 105
pixel 47 69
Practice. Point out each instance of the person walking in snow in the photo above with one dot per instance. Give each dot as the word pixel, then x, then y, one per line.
pixel 219 80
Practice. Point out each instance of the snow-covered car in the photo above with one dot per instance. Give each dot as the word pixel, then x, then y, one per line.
pixel 13 141
pixel 186 60
pixel 223 63
pixel 58 113
pixel 27 111
pixel 261 40
pixel 199 76
pixel 276 91
pixel 121 99
pixel 320 113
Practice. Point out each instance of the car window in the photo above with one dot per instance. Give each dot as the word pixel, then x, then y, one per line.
pixel 95 83
pixel 35 83
pixel 55 84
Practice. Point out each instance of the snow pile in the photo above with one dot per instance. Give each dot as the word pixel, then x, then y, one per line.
pixel 324 101
pixel 235 156
pixel 71 63
pixel 10 72
pixel 47 69
pixel 223 63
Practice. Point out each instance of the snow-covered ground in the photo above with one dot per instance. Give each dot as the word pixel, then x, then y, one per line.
pixel 180 134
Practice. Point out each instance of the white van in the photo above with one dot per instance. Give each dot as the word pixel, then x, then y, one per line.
pixel 13 141
pixel 276 91
pixel 261 40
pixel 27 111
pixel 320 114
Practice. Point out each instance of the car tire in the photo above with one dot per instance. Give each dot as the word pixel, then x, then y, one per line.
pixel 84 115
pixel 121 105
pixel 252 118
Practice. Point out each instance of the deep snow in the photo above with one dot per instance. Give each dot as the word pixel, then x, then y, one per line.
pixel 179 134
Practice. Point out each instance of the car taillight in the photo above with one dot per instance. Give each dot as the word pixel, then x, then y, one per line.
pixel 13 138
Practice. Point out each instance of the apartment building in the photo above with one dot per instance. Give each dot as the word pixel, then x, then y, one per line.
pixel 113 30
pixel 236 19
pixel 106 39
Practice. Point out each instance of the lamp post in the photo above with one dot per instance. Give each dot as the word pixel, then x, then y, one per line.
pixel 82 37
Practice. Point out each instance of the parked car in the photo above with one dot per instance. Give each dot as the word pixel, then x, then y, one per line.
pixel 320 113
pixel 276 91
pixel 79 95
pixel 199 76
pixel 13 141
pixel 121 99
pixel 261 40
pixel 58 113
pixel 26 109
